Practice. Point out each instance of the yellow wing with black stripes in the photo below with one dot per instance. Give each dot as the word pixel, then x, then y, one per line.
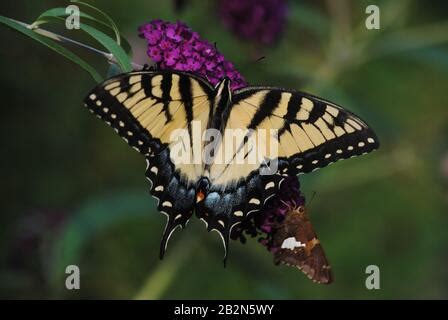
pixel 308 132
pixel 163 115
pixel 267 135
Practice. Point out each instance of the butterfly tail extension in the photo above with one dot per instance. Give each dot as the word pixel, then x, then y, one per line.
pixel 169 229
pixel 175 199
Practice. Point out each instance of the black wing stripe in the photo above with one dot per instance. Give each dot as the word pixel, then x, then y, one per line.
pixel 166 84
pixel 186 94
pixel 270 102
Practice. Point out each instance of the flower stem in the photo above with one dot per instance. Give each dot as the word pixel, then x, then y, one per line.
pixel 109 56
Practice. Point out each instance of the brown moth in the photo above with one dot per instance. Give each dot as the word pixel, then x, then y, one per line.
pixel 299 246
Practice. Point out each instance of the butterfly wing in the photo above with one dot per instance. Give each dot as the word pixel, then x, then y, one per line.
pixel 312 132
pixel 154 112
pixel 297 245
pixel 294 133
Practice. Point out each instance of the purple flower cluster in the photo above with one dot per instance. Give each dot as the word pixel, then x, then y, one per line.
pixel 175 46
pixel 274 212
pixel 261 21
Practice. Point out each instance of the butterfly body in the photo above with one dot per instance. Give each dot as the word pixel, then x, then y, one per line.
pixel 193 135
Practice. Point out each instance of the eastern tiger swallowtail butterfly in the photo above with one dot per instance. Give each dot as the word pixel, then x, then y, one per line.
pixel 297 245
pixel 146 108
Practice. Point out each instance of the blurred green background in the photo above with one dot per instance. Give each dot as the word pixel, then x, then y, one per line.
pixel 72 192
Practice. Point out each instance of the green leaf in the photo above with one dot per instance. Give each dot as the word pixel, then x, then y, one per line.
pixel 60 12
pixel 107 42
pixel 106 16
pixel 51 14
pixel 122 59
pixel 52 45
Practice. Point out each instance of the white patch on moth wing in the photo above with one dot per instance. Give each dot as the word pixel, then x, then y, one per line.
pixel 159 188
pixel 315 161
pixel 92 96
pixel 254 201
pixel 361 144
pixel 291 243
pixel 328 155
pixel 98 103
pixel 178 216
pixel 105 110
pixel 370 140
pixel 269 185
pixel 339 151
pixel 155 170
pixel 121 124
pixel 350 148
pixel 300 166
pixel 113 116
pixel 221 223
pixel 130 133
pixel 140 142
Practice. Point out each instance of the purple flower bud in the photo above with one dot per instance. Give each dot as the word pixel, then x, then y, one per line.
pixel 175 46
pixel 261 21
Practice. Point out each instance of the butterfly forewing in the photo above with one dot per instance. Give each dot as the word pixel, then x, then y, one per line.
pixel 312 132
